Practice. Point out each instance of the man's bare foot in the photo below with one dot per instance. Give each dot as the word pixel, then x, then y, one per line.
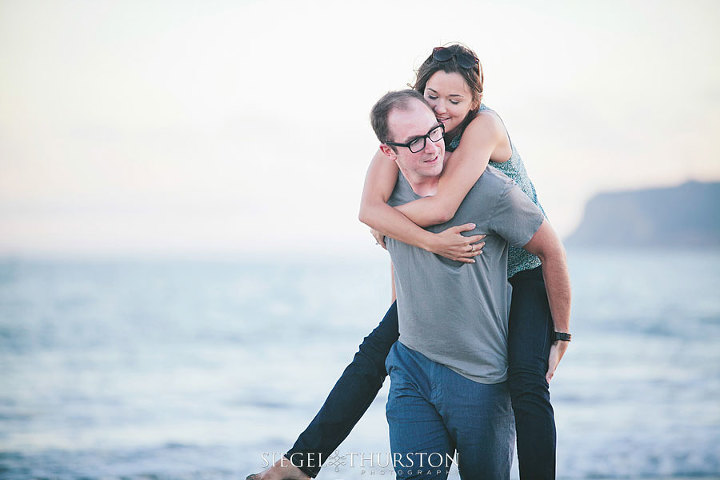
pixel 283 469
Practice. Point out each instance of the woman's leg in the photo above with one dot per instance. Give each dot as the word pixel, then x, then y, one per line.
pixel 348 400
pixel 529 341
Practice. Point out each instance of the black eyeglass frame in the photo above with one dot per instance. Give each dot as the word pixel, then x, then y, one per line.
pixel 443 54
pixel 424 138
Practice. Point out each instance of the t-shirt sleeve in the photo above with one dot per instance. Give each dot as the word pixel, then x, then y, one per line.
pixel 515 217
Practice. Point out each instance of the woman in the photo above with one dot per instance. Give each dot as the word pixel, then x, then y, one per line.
pixel 451 80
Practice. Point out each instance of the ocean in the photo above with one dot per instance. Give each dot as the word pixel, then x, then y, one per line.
pixel 189 369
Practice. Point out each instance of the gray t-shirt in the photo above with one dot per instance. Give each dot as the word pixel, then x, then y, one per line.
pixel 456 314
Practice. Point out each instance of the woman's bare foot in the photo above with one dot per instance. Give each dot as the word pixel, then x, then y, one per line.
pixel 283 469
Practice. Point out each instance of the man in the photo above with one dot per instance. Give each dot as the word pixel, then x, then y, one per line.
pixel 448 369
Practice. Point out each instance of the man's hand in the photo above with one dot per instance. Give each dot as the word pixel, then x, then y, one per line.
pixel 557 350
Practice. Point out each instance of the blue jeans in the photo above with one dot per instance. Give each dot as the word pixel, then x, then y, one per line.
pixel 529 340
pixel 434 412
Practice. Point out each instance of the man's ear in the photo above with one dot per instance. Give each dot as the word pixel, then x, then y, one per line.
pixel 388 151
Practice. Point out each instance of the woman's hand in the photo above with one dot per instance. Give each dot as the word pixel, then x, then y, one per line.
pixel 452 244
pixel 379 238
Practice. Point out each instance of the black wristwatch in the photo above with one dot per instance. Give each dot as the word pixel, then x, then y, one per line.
pixel 563 337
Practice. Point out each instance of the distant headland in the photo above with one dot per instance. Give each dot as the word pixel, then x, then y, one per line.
pixel 684 216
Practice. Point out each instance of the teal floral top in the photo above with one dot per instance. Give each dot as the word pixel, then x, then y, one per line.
pixel 519 259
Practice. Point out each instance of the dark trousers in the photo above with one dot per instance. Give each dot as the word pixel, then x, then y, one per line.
pixel 529 340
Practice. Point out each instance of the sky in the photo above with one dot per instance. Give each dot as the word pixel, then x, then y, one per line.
pixel 241 127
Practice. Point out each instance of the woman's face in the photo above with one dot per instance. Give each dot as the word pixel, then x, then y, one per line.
pixel 450 98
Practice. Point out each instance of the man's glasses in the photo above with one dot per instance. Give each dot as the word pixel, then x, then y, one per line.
pixel 442 54
pixel 418 143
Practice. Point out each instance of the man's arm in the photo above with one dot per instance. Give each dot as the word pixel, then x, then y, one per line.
pixel 548 247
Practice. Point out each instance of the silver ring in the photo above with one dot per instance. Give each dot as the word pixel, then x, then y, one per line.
pixel 472 248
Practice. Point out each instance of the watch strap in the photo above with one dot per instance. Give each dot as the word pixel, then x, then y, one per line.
pixel 562 336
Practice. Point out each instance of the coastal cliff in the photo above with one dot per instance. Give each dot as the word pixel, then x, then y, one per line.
pixel 684 216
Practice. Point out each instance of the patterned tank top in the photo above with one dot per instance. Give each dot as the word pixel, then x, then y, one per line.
pixel 519 259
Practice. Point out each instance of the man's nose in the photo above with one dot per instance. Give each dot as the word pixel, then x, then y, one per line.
pixel 431 147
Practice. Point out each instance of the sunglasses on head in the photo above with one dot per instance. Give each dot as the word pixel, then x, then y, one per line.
pixel 442 54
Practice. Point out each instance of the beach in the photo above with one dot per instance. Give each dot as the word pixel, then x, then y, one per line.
pixel 140 369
